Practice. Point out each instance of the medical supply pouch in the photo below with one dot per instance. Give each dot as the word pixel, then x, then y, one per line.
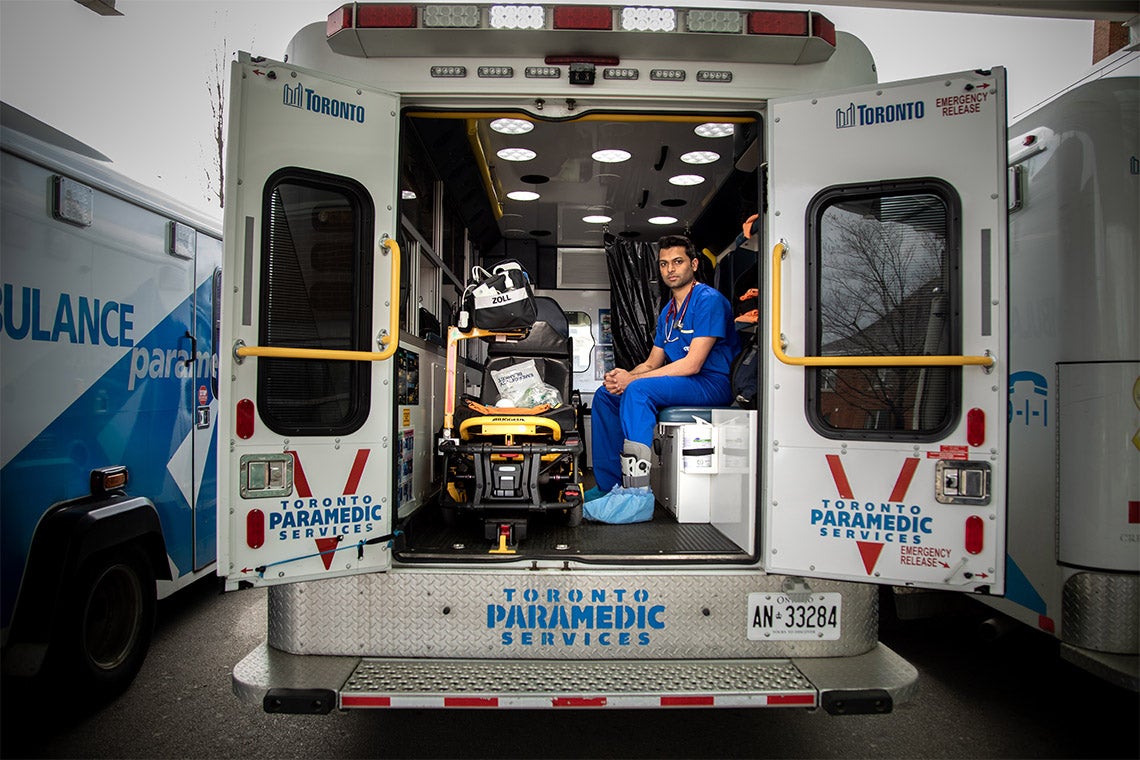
pixel 514 381
pixel 502 299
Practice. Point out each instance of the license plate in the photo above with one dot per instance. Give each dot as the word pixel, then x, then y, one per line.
pixel 779 617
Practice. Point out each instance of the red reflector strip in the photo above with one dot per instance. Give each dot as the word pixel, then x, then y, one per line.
pixel 339 19
pixel 470 701
pixel 975 534
pixel 775 700
pixel 357 701
pixel 975 427
pixel 255 529
pixel 839 476
pixel 1046 623
pixel 822 27
pixel 702 701
pixel 578 702
pixel 583 17
pixel 369 16
pixel 300 482
pixel 778 22
pixel 243 419
pixel 910 464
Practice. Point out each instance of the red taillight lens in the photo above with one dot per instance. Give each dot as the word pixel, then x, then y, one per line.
pixel 975 427
pixel 778 22
pixel 255 529
pixel 822 27
pixel 385 16
pixel 339 19
pixel 583 17
pixel 243 422
pixel 975 534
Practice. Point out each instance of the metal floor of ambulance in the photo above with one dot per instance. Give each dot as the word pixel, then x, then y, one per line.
pixel 427 536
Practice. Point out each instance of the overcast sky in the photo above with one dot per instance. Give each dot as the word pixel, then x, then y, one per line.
pixel 135 86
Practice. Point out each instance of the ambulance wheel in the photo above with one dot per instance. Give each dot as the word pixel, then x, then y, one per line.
pixel 107 621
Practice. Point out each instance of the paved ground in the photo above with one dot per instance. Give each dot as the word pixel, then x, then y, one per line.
pixel 1014 699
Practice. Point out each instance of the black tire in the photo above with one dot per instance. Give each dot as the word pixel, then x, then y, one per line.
pixel 107 621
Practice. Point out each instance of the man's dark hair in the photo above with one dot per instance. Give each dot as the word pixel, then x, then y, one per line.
pixel 677 241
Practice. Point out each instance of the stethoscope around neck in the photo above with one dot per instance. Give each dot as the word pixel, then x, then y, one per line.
pixel 678 323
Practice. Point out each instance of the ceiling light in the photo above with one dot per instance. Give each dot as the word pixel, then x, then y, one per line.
pixel 597 219
pixel 700 157
pixel 408 195
pixel 663 220
pixel 714 129
pixel 685 180
pixel 512 126
pixel 517 154
pixel 523 195
pixel 611 155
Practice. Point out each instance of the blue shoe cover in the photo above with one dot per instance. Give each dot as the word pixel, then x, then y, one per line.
pixel 621 506
pixel 593 493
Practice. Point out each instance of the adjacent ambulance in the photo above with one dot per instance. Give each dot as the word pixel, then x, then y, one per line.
pixel 109 377
pixel 400 144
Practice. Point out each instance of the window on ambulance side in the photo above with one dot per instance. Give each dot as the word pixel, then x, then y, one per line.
pixel 316 292
pixel 883 274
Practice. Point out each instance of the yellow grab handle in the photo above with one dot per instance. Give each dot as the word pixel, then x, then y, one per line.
pixel 851 361
pixel 391 341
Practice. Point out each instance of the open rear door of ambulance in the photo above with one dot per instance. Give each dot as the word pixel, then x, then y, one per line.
pixel 309 323
pixel 885 385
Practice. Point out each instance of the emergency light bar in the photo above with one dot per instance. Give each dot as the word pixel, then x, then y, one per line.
pixel 793 37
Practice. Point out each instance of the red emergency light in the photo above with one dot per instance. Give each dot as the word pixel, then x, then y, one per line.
pixel 339 19
pixel 822 27
pixel 588 17
pixel 370 16
pixel 787 23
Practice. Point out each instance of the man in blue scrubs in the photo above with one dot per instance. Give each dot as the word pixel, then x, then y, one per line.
pixel 689 364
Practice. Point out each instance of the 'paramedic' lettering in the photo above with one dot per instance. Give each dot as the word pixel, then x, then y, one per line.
pixel 28 313
pixel 871 521
pixel 305 98
pixel 324 518
pixel 864 116
pixel 617 617
pixel 162 364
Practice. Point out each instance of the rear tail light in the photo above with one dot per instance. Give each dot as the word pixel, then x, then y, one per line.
pixel 370 16
pixel 793 23
pixel 975 534
pixel 593 17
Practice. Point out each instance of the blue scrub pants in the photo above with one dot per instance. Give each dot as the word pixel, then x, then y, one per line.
pixel 632 415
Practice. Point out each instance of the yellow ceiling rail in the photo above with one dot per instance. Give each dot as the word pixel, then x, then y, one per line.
pixel 390 340
pixel 778 253
pixel 493 193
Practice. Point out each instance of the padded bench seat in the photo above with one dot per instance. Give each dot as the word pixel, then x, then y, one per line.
pixel 683 414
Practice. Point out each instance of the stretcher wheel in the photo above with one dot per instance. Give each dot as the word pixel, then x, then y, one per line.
pixel 574 516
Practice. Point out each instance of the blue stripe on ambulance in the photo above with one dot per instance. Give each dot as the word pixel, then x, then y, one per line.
pixel 110 424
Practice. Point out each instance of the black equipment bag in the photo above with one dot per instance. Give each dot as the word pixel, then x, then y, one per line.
pixel 501 299
pixel 745 372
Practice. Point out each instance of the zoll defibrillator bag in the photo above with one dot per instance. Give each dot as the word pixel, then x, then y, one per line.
pixel 501 299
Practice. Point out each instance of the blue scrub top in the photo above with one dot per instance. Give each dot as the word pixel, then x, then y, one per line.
pixel 708 314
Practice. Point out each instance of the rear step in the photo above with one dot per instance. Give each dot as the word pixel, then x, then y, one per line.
pixel 868 683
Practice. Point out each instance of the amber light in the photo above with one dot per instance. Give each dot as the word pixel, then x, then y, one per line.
pixel 243 420
pixel 255 529
pixel 975 427
pixel 975 534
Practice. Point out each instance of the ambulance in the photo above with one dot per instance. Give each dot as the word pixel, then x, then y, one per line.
pixel 400 149
pixel 109 375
